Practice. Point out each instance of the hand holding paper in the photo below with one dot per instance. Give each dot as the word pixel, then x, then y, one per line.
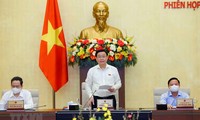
pixel 111 89
pixel 105 87
pixel 108 87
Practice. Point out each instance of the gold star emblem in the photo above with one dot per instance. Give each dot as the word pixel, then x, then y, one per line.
pixel 52 37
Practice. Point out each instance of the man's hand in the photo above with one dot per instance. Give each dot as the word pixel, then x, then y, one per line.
pixel 91 101
pixel 169 106
pixel 111 89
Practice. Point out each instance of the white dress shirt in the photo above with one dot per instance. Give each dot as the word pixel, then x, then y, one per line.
pixel 97 76
pixel 24 95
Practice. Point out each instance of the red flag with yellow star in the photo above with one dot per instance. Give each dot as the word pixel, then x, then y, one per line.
pixel 53 56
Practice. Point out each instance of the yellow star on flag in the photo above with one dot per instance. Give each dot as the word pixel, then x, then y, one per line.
pixel 52 37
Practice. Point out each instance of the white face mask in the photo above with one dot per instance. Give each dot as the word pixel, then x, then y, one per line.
pixel 174 88
pixel 16 90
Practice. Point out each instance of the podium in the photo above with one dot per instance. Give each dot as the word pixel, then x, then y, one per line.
pixel 121 70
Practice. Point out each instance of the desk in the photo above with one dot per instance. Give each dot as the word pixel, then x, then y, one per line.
pixel 28 115
pixel 176 114
pixel 116 114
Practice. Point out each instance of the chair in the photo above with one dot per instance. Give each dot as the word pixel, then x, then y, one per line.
pixel 34 94
pixel 157 92
pixel 85 95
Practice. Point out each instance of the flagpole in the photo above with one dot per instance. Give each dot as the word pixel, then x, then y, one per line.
pixel 54 99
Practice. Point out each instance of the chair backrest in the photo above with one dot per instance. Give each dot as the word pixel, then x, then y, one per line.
pixel 85 95
pixel 157 92
pixel 34 94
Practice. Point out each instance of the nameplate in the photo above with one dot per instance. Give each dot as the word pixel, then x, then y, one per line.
pixel 15 105
pixel 185 103
pixel 102 102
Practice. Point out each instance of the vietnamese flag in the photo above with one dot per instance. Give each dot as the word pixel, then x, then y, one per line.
pixel 53 56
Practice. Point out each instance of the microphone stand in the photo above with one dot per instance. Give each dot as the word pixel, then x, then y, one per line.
pixel 138 115
pixel 80 116
pixel 89 99
pixel 36 107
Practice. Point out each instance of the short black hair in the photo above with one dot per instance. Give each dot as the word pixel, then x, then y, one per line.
pixel 173 78
pixel 102 50
pixel 17 78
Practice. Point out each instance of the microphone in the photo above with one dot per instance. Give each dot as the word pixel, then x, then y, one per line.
pixel 89 99
pixel 36 107
pixel 39 106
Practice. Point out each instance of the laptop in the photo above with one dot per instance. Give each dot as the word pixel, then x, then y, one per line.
pixel 15 105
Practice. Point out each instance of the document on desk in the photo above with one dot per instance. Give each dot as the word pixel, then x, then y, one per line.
pixel 105 86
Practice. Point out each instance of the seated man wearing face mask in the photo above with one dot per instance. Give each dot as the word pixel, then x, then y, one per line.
pixel 17 93
pixel 170 97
